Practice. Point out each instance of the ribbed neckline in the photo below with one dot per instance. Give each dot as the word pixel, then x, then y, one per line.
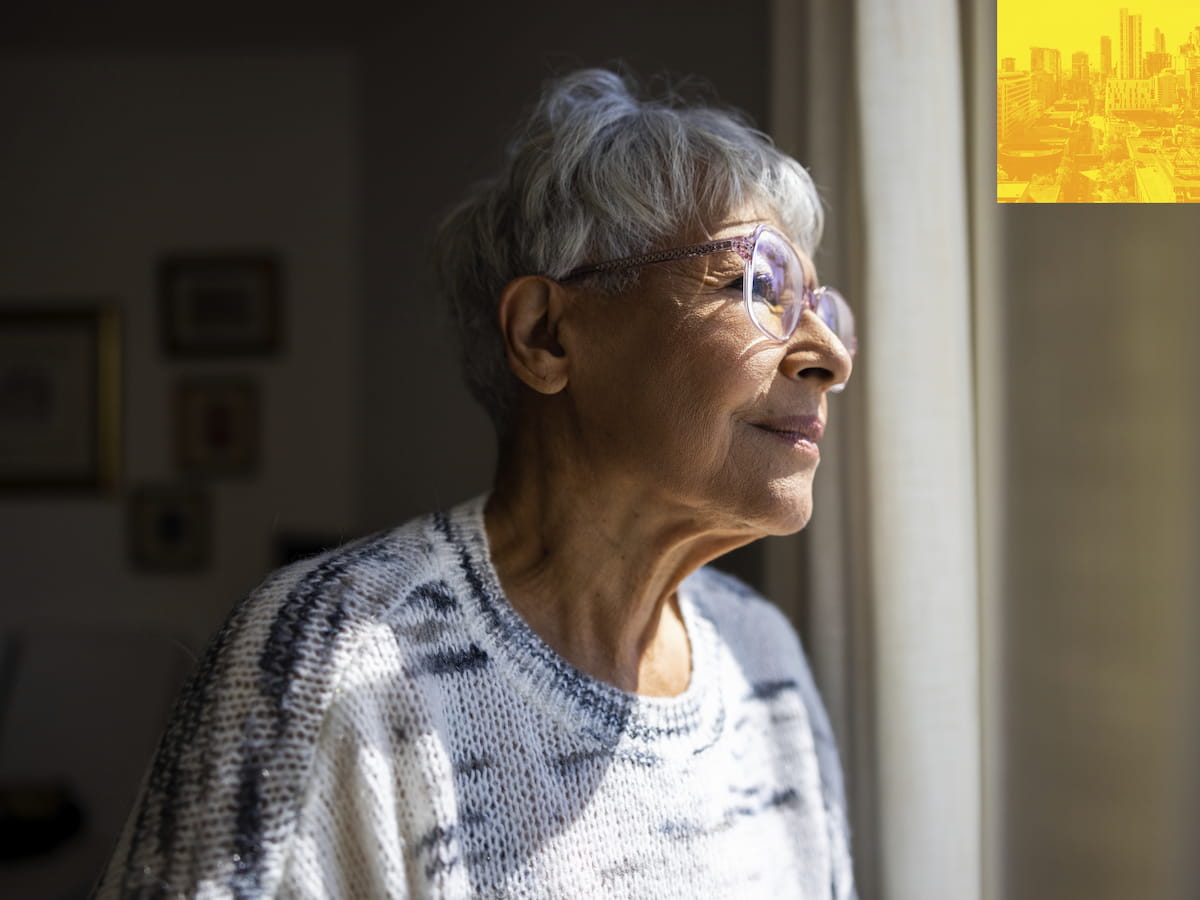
pixel 649 727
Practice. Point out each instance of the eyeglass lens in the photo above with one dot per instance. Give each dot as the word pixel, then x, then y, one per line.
pixel 776 300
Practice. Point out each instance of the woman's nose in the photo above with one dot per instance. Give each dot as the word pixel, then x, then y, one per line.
pixel 815 352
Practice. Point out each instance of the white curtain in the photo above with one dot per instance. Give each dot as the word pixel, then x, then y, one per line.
pixel 874 104
pixel 920 461
pixel 1001 608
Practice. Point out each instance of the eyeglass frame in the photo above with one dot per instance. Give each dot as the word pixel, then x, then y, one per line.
pixel 743 246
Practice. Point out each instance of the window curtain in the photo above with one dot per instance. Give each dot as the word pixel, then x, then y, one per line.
pixel 870 95
pixel 999 584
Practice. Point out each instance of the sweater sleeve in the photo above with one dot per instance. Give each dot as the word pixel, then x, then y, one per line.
pixel 832 784
pixel 225 799
pixel 348 840
pixel 751 621
pixel 379 809
pixel 829 762
pixel 825 744
pixel 217 809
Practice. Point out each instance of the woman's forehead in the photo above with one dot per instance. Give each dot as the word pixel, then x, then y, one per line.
pixel 741 220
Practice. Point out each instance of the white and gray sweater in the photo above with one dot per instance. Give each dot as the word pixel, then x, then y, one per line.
pixel 379 722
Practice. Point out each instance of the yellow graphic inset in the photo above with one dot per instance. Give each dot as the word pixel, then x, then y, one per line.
pixel 1097 104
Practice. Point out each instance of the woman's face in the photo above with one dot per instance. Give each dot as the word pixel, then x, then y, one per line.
pixel 679 398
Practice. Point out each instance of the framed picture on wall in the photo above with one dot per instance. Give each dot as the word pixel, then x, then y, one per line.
pixel 216 426
pixel 221 305
pixel 59 397
pixel 170 528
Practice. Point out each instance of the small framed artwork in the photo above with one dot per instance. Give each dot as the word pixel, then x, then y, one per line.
pixel 228 305
pixel 170 528
pixel 59 398
pixel 217 426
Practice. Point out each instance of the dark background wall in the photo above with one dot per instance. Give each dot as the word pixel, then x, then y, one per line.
pixel 334 138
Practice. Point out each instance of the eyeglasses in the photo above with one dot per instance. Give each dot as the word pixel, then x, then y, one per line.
pixel 773 284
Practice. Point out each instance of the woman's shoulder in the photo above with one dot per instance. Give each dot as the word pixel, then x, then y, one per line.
pixel 233 764
pixel 307 621
pixel 739 612
pixel 359 581
pixel 290 640
pixel 756 634
pixel 770 658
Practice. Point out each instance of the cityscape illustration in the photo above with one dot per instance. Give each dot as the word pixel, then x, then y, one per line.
pixel 1117 122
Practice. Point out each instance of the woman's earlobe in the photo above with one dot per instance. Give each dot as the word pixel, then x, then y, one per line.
pixel 529 311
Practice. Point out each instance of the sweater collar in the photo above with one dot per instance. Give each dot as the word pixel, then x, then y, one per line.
pixel 647 728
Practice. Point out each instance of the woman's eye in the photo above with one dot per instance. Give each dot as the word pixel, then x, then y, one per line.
pixel 766 290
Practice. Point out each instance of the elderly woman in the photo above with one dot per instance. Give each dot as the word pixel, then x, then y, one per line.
pixel 544 692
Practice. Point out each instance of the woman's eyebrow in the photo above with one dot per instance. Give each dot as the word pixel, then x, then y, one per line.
pixel 720 267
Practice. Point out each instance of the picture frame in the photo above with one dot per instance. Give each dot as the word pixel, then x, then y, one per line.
pixel 60 395
pixel 169 528
pixel 217 425
pixel 223 305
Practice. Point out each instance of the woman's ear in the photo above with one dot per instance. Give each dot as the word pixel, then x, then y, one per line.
pixel 529 314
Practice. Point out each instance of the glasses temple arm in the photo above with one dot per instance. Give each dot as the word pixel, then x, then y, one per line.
pixel 742 245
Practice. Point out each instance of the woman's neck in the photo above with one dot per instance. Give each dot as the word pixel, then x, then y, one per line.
pixel 592 564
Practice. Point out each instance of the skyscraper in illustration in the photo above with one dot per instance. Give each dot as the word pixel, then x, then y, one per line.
pixel 1129 64
pixel 1105 56
pixel 1080 73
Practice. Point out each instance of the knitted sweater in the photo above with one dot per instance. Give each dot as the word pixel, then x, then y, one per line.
pixel 378 721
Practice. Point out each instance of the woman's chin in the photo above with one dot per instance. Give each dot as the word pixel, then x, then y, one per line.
pixel 786 509
pixel 794 522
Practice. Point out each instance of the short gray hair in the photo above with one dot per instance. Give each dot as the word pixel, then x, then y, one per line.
pixel 593 173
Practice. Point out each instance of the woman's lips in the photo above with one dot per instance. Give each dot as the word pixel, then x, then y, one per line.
pixel 801 432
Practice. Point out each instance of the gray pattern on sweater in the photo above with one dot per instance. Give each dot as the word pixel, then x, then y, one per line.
pixel 379 721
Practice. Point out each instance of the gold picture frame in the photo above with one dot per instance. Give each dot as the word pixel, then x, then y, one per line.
pixel 60 397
